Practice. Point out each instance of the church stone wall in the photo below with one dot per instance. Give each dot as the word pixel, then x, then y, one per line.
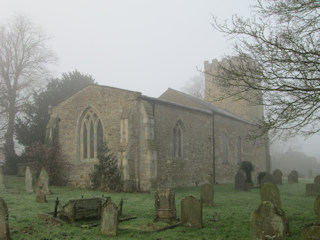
pixel 196 164
pixel 109 103
pixel 251 150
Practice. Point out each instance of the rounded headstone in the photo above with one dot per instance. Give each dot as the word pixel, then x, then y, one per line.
pixel 206 194
pixel 240 181
pixel 191 212
pixel 317 180
pixel 277 176
pixel 267 178
pixel 311 232
pixel 270 192
pixel 109 219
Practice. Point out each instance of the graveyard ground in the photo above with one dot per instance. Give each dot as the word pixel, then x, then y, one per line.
pixel 227 219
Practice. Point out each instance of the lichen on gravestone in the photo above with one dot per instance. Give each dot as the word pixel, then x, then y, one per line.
pixel 270 192
pixel 165 204
pixel 28 180
pixel 311 232
pixel 110 219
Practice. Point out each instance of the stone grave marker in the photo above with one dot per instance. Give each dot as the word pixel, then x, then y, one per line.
pixel 110 219
pixel 240 181
pixel 267 178
pixel 206 194
pixel 277 176
pixel 41 196
pixel 165 205
pixel 265 223
pixel 312 189
pixel 2 180
pixel 317 180
pixel 293 177
pixel 311 232
pixel 191 212
pixel 4 225
pixel 317 206
pixel 28 180
pixel 270 192
pixel 44 181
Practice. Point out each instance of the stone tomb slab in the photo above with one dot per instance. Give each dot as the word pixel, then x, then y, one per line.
pixel 165 205
pixel 191 212
pixel 206 194
pixel 240 181
pixel 4 225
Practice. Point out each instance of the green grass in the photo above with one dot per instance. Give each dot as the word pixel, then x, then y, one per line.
pixel 227 219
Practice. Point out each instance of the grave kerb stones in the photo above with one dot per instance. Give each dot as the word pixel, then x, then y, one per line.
pixel 110 219
pixel 4 225
pixel 191 212
pixel 165 205
pixel 206 194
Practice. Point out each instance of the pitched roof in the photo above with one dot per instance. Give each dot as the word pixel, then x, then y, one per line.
pixel 178 97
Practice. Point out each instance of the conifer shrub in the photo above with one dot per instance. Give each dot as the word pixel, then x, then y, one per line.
pixel 247 167
pixel 106 175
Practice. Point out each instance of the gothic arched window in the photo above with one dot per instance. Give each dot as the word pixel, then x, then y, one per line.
pixel 91 135
pixel 178 139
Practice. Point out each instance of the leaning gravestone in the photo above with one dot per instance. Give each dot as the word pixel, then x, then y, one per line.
pixel 191 212
pixel 2 180
pixel 28 180
pixel 267 178
pixel 43 182
pixel 293 177
pixel 240 181
pixel 165 205
pixel 317 207
pixel 266 223
pixel 109 219
pixel 277 176
pixel 206 194
pixel 311 232
pixel 4 225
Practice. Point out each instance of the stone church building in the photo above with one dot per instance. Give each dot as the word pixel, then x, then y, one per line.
pixel 171 141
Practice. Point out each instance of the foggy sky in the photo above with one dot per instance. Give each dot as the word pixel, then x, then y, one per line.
pixel 139 45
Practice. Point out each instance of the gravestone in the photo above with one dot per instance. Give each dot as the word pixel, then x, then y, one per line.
pixel 191 212
pixel 4 225
pixel 293 177
pixel 165 205
pixel 109 219
pixel 266 223
pixel 267 178
pixel 311 232
pixel 206 194
pixel 277 176
pixel 2 180
pixel 317 206
pixel 317 180
pixel 312 189
pixel 43 182
pixel 270 192
pixel 28 180
pixel 41 196
pixel 240 181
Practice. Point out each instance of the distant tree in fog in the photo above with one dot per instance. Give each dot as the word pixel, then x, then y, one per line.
pixel 278 54
pixel 195 86
pixel 24 57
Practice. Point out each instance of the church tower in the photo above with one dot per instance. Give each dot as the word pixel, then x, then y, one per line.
pixel 249 111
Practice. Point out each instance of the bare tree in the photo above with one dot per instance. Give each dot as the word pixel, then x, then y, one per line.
pixel 278 56
pixel 195 86
pixel 23 60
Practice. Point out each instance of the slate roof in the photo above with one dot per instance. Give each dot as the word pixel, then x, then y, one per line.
pixel 178 97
